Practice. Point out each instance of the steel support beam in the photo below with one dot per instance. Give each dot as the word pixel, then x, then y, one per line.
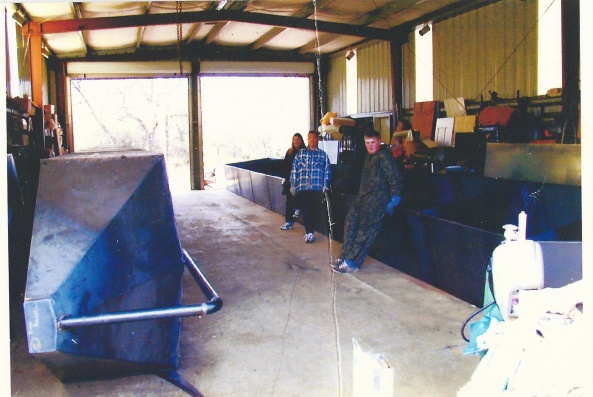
pixel 196 152
pixel 397 82
pixel 84 24
pixel 33 32
pixel 570 62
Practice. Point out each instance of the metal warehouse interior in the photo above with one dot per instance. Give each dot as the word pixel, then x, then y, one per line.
pixel 121 286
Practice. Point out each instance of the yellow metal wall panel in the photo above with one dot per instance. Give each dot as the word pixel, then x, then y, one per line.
pixel 336 85
pixel 408 73
pixel 24 61
pixel 493 48
pixel 374 78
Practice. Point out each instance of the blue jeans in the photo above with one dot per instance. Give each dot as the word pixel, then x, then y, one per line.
pixel 311 202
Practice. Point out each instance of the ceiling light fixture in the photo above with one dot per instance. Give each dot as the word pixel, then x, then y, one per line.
pixel 350 54
pixel 221 5
pixel 45 51
pixel 424 30
pixel 19 18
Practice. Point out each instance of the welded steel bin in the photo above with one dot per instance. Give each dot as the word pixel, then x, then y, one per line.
pixel 104 285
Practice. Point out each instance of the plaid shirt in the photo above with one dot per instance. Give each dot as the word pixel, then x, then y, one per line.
pixel 311 170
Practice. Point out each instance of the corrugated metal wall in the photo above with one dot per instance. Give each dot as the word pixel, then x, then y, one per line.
pixel 408 72
pixel 374 78
pixel 336 84
pixel 24 62
pixel 491 48
pixel 24 74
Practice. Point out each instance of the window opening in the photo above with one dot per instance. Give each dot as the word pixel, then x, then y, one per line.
pixel 423 59
pixel 13 85
pixel 352 82
pixel 549 62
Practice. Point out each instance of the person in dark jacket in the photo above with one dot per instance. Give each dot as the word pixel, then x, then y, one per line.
pixel 379 193
pixel 292 209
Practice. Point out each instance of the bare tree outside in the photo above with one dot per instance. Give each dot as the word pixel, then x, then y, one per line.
pixel 149 114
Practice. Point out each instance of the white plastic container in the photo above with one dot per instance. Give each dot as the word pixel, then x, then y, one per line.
pixel 516 265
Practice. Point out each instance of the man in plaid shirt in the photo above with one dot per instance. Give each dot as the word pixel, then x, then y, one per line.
pixel 309 178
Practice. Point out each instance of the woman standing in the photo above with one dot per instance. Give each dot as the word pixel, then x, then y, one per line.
pixel 292 208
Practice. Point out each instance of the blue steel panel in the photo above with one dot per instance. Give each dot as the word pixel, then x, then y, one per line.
pixel 563 262
pixel 277 200
pixel 497 207
pixel 260 190
pixel 401 244
pixel 245 187
pixel 447 225
pixel 232 179
pixel 104 240
pixel 459 256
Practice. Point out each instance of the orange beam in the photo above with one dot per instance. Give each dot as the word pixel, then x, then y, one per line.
pixel 33 31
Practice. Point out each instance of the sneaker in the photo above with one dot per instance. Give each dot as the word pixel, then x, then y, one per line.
pixel 309 238
pixel 287 226
pixel 344 267
pixel 297 213
pixel 337 263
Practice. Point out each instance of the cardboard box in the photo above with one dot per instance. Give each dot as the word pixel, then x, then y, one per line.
pixel 23 105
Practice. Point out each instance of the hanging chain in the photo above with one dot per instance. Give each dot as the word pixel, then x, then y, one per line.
pixel 178 8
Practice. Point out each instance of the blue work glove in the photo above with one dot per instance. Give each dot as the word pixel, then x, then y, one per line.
pixel 394 202
pixel 285 187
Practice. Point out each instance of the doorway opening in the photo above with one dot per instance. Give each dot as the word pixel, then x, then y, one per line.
pixel 135 113
pixel 250 117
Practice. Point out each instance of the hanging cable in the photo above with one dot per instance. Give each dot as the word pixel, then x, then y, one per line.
pixel 178 9
pixel 318 58
pixel 327 202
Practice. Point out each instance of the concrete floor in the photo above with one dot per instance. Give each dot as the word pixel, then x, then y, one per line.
pixel 288 321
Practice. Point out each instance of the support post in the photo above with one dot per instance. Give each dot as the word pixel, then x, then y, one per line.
pixel 33 31
pixel 570 61
pixel 196 152
pixel 397 75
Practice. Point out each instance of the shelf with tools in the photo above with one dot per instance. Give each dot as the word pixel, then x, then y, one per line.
pixel 24 123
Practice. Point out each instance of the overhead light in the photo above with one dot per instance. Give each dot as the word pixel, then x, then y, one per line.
pixel 350 55
pixel 19 18
pixel 45 51
pixel 221 5
pixel 424 30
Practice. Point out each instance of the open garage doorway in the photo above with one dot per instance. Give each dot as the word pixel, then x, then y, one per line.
pixel 250 117
pixel 135 113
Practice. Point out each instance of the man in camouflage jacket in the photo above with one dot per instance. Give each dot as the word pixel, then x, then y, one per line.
pixel 379 192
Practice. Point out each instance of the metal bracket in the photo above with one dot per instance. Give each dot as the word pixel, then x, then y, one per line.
pixel 213 305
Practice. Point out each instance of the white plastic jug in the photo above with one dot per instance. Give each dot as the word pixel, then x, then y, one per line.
pixel 516 265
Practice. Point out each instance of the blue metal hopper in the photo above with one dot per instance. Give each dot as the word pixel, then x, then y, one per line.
pixel 104 283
